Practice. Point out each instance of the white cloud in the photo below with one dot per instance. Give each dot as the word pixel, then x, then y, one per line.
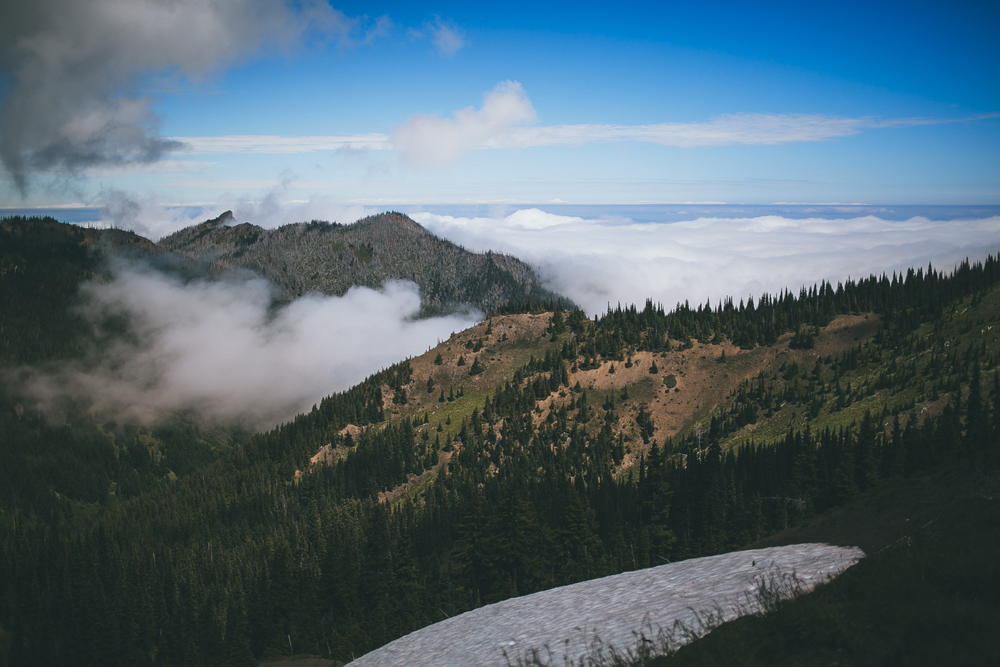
pixel 743 129
pixel 274 144
pixel 146 216
pixel 215 348
pixel 597 262
pixel 430 141
pixel 272 210
pixel 447 37
pixel 729 130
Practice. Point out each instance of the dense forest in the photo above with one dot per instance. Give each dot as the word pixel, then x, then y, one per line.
pixel 179 545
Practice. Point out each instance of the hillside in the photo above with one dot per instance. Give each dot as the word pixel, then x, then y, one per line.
pixel 529 452
pixel 578 624
pixel 330 258
pixel 42 263
pixel 67 467
pixel 927 594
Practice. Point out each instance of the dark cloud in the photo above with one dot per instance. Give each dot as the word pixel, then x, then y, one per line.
pixel 72 70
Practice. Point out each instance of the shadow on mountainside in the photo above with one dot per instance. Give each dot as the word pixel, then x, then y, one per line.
pixel 927 594
pixel 895 512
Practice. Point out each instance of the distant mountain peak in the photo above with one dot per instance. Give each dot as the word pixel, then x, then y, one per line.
pixel 330 258
pixel 224 218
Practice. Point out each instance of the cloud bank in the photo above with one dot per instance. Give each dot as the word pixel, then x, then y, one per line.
pixel 217 349
pixel 597 262
pixel 75 68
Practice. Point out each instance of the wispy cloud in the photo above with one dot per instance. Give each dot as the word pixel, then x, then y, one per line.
pixel 269 209
pixel 446 36
pixel 503 121
pixel 742 129
pixel 276 144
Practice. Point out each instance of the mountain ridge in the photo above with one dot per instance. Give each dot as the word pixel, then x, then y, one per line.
pixel 330 258
pixel 530 451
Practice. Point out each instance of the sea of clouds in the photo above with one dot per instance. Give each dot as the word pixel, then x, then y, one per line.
pixel 219 348
pixel 602 262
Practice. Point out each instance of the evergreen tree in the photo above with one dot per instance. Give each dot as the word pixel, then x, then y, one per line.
pixel 476 368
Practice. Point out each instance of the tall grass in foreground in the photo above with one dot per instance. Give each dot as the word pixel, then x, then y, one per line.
pixel 770 591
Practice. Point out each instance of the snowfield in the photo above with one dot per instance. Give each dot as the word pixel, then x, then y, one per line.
pixel 616 609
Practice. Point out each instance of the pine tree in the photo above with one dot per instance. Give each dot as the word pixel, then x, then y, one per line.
pixel 476 367
pixel 977 425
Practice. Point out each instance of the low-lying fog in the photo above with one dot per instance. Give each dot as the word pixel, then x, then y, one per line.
pixel 216 349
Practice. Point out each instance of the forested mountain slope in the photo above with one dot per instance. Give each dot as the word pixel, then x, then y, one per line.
pixel 330 258
pixel 528 452
pixel 42 263
pixel 65 467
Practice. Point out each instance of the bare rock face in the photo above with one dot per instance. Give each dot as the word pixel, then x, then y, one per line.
pixel 331 258
pixel 569 624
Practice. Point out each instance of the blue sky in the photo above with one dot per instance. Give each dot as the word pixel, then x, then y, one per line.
pixel 380 104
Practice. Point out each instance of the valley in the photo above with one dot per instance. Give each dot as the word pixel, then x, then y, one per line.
pixel 533 450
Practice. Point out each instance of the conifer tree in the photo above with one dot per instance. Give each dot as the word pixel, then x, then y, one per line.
pixel 476 367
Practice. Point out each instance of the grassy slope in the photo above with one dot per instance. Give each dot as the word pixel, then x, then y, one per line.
pixel 947 560
pixel 929 592
pixel 706 382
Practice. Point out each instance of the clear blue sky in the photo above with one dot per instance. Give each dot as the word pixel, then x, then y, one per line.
pixel 605 103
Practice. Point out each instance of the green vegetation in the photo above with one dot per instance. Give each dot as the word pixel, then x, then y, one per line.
pixel 928 593
pixel 172 546
pixel 931 599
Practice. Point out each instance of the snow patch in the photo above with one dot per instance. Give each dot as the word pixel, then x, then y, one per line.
pixel 615 609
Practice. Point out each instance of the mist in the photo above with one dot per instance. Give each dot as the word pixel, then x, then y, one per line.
pixel 219 351
pixel 611 261
pixel 146 216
